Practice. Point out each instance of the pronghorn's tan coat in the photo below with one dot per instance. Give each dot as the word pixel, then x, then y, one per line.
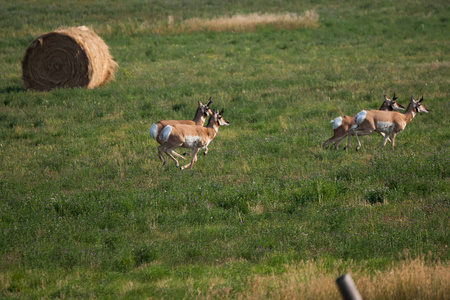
pixel 189 136
pixel 341 125
pixel 201 114
pixel 388 122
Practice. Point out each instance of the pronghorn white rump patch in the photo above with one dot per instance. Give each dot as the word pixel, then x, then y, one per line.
pixel 336 122
pixel 165 133
pixel 360 117
pixel 386 127
pixel 190 141
pixel 153 131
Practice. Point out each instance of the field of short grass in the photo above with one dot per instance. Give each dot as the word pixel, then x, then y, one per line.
pixel 87 211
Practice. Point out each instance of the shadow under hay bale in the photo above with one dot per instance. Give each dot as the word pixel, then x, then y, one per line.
pixel 68 57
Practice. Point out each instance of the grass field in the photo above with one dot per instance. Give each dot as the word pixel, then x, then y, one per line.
pixel 87 211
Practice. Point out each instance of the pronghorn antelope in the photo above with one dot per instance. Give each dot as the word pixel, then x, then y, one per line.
pixel 189 136
pixel 201 114
pixel 388 122
pixel 341 125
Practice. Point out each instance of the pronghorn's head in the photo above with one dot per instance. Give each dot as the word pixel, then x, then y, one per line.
pixel 222 121
pixel 417 105
pixel 391 104
pixel 217 119
pixel 204 108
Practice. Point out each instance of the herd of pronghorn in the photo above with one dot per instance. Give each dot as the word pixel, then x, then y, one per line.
pixel 191 134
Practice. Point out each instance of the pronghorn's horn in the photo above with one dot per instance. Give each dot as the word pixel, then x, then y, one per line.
pixel 221 112
pixel 421 99
pixel 209 101
pixel 394 97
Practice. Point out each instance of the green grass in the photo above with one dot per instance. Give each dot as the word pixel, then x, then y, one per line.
pixel 86 210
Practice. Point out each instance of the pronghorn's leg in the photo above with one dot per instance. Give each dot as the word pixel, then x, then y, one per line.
pixel 161 155
pixel 358 143
pixel 193 158
pixel 330 140
pixel 326 143
pixel 386 137
pixel 204 153
pixel 334 139
pixel 173 158
pixel 383 134
pixel 351 132
pixel 168 152
pixel 338 141
pixel 349 135
pixel 178 155
pixel 358 146
pixel 393 140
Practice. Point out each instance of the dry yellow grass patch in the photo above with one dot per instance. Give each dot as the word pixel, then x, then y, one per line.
pixel 235 23
pixel 414 278
pixel 241 22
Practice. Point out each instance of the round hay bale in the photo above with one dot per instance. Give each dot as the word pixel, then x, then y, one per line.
pixel 67 57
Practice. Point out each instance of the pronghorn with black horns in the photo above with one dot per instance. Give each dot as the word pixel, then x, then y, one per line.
pixel 203 111
pixel 341 125
pixel 189 136
pixel 388 122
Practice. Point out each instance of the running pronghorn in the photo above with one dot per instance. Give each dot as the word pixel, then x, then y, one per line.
pixel 388 122
pixel 342 124
pixel 189 136
pixel 201 114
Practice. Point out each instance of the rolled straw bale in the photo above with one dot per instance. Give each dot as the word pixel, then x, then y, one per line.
pixel 67 57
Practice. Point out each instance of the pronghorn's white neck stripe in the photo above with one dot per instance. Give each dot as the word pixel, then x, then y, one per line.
pixel 216 128
pixel 203 119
